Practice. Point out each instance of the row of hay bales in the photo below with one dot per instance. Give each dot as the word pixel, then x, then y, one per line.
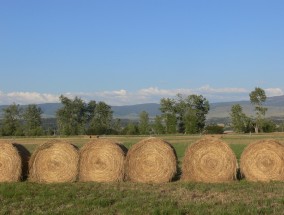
pixel 151 160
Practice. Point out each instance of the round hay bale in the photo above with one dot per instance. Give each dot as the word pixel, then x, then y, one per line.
pixel 102 160
pixel 54 161
pixel 151 160
pixel 209 160
pixel 10 163
pixel 263 161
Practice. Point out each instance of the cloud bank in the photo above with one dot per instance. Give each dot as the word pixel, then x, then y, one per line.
pixel 124 97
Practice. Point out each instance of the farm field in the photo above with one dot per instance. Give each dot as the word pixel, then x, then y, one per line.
pixel 239 197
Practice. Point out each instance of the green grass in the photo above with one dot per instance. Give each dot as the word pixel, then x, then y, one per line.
pixel 239 197
pixel 238 149
pixel 131 198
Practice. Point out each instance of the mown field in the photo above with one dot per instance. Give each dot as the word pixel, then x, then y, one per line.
pixel 239 197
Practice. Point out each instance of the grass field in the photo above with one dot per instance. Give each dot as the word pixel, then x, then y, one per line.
pixel 239 197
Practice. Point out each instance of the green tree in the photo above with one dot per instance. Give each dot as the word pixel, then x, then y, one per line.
pixel 269 126
pixel 101 121
pixel 257 98
pixel 32 120
pixel 180 113
pixel 238 118
pixel 158 125
pixel 116 128
pixel 91 106
pixel 131 129
pixel 167 107
pixel 201 107
pixel 181 110
pixel 90 113
pixel 171 124
pixel 71 117
pixel 11 123
pixel 191 113
pixel 190 121
pixel 144 125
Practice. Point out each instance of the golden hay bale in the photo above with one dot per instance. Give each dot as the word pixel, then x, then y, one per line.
pixel 13 162
pixel 102 160
pixel 54 161
pixel 209 160
pixel 10 163
pixel 263 161
pixel 152 160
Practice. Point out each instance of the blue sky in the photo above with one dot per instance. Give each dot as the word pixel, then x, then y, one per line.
pixel 130 51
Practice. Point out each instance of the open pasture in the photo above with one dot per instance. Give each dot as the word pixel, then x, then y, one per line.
pixel 238 197
pixel 179 142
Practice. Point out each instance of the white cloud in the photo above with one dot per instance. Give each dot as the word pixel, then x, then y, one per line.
pixel 146 95
pixel 208 89
pixel 273 92
pixel 119 93
pixel 27 98
pixel 155 91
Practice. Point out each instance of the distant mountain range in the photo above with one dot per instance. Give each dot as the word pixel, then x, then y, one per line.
pixel 274 104
pixel 218 110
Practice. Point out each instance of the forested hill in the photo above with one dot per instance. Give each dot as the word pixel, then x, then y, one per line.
pixel 217 110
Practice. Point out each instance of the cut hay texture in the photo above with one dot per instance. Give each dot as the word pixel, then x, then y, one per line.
pixel 54 162
pixel 209 160
pixel 13 162
pixel 152 160
pixel 102 160
pixel 263 161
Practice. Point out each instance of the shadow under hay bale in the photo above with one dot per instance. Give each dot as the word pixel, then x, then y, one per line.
pixel 151 160
pixel 54 162
pixel 263 161
pixel 209 160
pixel 102 160
pixel 25 156
pixel 10 163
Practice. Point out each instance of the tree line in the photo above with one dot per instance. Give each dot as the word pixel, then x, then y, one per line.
pixel 76 117
pixel 181 114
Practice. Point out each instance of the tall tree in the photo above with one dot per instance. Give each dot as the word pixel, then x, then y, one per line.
pixel 180 109
pixel 144 125
pixel 238 118
pixel 190 121
pixel 158 125
pixel 32 120
pixel 257 98
pixel 180 113
pixel 201 107
pixel 91 106
pixel 71 117
pixel 11 123
pixel 90 113
pixel 167 107
pixel 102 119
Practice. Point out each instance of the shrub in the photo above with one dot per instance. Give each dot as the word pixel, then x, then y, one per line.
pixel 214 129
